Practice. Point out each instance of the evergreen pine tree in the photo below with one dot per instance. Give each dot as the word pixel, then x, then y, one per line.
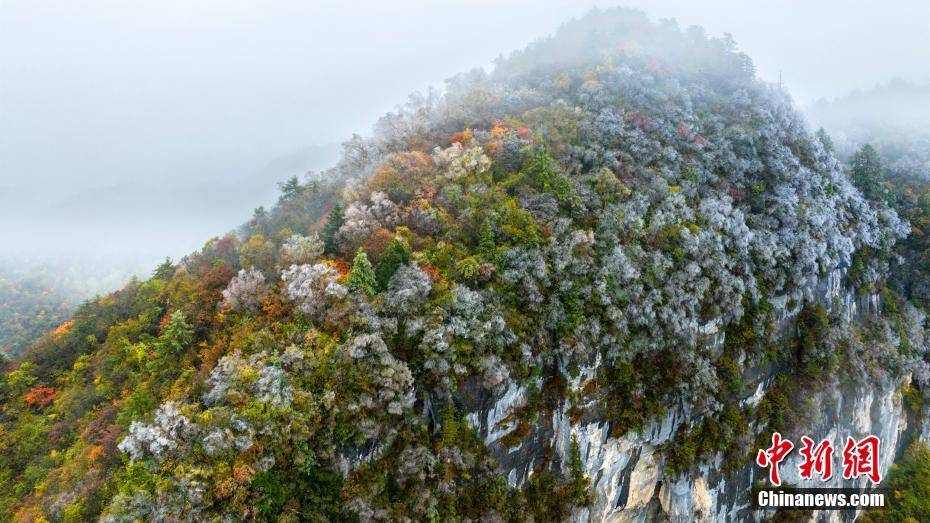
pixel 165 270
pixel 363 275
pixel 290 189
pixel 177 334
pixel 579 483
pixel 450 427
pixel 825 139
pixel 487 247
pixel 867 173
pixel 333 222
pixel 396 255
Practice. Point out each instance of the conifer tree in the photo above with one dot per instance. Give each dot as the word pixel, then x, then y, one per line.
pixel 362 276
pixel 165 270
pixel 825 139
pixel 176 335
pixel 487 247
pixel 333 222
pixel 579 483
pixel 290 189
pixel 450 427
pixel 867 173
pixel 395 256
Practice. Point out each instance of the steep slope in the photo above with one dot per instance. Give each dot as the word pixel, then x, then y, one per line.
pixel 570 287
pixel 38 294
pixel 884 136
pixel 29 308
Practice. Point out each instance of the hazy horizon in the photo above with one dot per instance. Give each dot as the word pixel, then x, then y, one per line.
pixel 135 132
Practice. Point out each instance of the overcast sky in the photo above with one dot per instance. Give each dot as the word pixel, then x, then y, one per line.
pixel 125 126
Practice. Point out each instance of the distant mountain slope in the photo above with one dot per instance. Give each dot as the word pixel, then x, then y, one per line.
pixel 298 163
pixel 895 117
pixel 884 134
pixel 896 104
pixel 556 291
pixel 75 238
pixel 38 294
pixel 29 308
pixel 151 216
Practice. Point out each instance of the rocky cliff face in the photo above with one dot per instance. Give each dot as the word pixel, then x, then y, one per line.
pixel 628 476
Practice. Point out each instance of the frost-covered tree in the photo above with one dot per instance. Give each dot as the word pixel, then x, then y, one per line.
pixel 315 290
pixel 407 290
pixel 458 162
pixel 169 434
pixel 361 219
pixel 266 380
pixel 386 382
pixel 300 250
pixel 456 337
pixel 245 291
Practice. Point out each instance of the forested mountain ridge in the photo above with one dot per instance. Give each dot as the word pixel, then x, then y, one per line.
pixel 884 135
pixel 28 309
pixel 615 222
pixel 38 294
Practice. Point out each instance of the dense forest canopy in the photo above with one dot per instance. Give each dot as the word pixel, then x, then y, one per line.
pixel 883 135
pixel 39 294
pixel 582 219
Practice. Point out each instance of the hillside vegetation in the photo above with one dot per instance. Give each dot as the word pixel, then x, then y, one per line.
pixel 613 195
pixel 37 295
pixel 883 136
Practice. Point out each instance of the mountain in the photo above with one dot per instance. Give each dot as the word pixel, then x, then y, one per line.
pixel 312 158
pixel 894 117
pixel 897 104
pixel 587 285
pixel 884 134
pixel 58 254
pixel 39 294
